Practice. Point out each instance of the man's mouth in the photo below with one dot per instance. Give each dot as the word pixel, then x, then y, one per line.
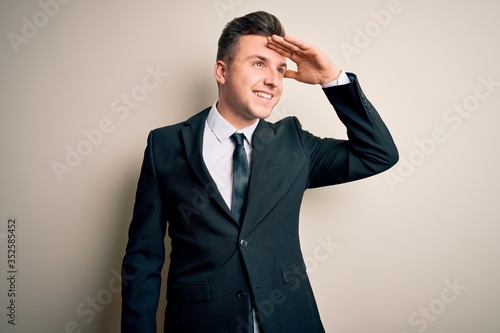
pixel 264 95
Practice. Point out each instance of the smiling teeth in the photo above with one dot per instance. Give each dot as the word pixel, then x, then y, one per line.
pixel 263 95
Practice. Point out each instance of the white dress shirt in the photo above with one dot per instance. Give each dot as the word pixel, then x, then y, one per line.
pixel 218 151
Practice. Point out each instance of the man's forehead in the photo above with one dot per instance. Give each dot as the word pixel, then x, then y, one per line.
pixel 256 46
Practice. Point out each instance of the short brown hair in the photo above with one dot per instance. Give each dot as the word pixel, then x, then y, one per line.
pixel 256 23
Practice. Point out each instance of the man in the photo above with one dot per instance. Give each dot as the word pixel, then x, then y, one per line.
pixel 232 206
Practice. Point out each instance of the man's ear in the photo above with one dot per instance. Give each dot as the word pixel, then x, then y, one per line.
pixel 220 71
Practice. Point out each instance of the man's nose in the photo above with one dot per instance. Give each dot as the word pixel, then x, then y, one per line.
pixel 272 78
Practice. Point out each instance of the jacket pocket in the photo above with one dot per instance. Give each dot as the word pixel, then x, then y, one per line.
pixel 188 292
pixel 293 270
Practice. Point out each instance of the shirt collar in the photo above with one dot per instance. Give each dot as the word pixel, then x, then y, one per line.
pixel 223 130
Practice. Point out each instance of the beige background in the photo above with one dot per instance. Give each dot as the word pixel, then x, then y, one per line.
pixel 412 250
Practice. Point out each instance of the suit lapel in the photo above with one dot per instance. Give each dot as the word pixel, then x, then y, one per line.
pixel 261 141
pixel 192 136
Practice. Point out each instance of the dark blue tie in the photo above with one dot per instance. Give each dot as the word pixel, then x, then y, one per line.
pixel 240 175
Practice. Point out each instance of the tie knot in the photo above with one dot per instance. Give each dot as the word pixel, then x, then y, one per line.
pixel 238 138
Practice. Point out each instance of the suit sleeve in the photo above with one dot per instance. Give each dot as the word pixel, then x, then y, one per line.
pixel 369 149
pixel 145 252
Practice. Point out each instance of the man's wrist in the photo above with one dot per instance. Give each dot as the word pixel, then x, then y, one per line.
pixel 341 80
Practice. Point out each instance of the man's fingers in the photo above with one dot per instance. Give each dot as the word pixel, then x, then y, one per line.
pixel 291 47
pixel 289 43
pixel 284 48
pixel 297 43
pixel 278 48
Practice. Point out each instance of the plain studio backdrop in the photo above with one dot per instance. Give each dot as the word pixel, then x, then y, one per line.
pixel 82 82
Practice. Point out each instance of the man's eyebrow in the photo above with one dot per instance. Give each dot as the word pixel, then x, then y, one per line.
pixel 265 59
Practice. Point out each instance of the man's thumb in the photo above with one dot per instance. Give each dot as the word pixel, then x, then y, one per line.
pixel 291 74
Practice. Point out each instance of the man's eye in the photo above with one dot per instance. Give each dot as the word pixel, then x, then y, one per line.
pixel 259 64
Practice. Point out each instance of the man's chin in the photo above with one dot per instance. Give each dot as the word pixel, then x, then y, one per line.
pixel 265 113
pixel 264 116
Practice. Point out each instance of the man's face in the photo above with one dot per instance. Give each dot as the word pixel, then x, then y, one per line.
pixel 252 84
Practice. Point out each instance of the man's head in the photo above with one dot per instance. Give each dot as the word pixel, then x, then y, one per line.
pixel 249 74
pixel 257 23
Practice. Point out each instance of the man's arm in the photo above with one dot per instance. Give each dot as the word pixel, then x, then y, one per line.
pixel 145 253
pixel 370 148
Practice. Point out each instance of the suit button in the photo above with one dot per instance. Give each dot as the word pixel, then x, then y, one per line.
pixel 243 243
pixel 241 293
pixel 365 103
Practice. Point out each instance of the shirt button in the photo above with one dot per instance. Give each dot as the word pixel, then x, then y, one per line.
pixel 243 243
pixel 241 293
